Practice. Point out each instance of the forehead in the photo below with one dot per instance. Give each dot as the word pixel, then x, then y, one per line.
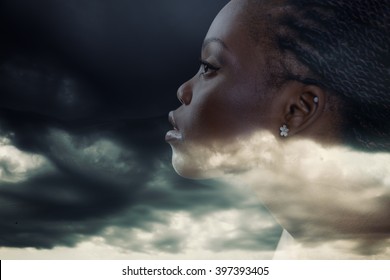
pixel 248 23
pixel 230 31
pixel 229 19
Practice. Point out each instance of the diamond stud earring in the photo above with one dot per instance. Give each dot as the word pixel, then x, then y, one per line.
pixel 284 131
pixel 316 99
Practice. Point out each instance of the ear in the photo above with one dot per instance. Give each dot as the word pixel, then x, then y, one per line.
pixel 303 105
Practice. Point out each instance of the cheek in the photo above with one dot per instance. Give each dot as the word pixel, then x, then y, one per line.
pixel 225 115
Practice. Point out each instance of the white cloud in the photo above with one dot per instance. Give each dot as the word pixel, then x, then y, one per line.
pixel 180 234
pixel 193 236
pixel 17 166
pixel 324 195
pixel 321 195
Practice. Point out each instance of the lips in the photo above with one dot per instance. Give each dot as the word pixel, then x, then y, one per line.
pixel 173 135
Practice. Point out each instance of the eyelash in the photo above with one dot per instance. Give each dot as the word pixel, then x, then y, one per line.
pixel 206 67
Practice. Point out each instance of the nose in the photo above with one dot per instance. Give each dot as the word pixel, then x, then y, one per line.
pixel 184 93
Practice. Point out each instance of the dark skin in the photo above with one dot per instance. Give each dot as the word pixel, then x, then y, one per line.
pixel 230 96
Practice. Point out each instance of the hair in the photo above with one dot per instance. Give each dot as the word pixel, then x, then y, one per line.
pixel 345 45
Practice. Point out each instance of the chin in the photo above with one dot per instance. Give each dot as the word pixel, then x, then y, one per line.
pixel 190 166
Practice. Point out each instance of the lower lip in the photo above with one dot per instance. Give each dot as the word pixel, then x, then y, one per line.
pixel 173 136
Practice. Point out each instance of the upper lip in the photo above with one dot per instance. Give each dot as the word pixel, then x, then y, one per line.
pixel 171 119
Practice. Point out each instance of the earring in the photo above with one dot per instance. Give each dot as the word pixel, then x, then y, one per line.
pixel 284 131
pixel 316 99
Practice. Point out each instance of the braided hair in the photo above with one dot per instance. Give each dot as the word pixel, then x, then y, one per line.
pixel 345 45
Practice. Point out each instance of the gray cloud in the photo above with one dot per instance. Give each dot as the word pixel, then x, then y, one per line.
pixel 96 186
pixel 170 243
pixel 254 232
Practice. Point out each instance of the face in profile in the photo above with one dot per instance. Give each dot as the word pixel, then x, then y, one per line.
pixel 232 97
pixel 225 100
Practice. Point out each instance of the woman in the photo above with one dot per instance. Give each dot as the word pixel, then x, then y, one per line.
pixel 274 72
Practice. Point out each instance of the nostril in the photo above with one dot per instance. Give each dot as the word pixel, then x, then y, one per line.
pixel 184 94
pixel 186 99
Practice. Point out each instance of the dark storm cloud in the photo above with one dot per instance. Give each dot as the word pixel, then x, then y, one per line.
pixel 42 87
pixel 132 55
pixel 96 182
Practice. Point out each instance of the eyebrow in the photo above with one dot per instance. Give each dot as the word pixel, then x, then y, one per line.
pixel 207 41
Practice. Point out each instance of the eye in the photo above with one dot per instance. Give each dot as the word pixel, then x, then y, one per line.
pixel 207 68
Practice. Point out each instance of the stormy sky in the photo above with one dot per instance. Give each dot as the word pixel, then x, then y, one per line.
pixel 85 90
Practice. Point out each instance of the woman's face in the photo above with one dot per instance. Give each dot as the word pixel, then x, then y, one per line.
pixel 226 98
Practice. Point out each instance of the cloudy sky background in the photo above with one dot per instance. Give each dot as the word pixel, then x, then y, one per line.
pixel 84 170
